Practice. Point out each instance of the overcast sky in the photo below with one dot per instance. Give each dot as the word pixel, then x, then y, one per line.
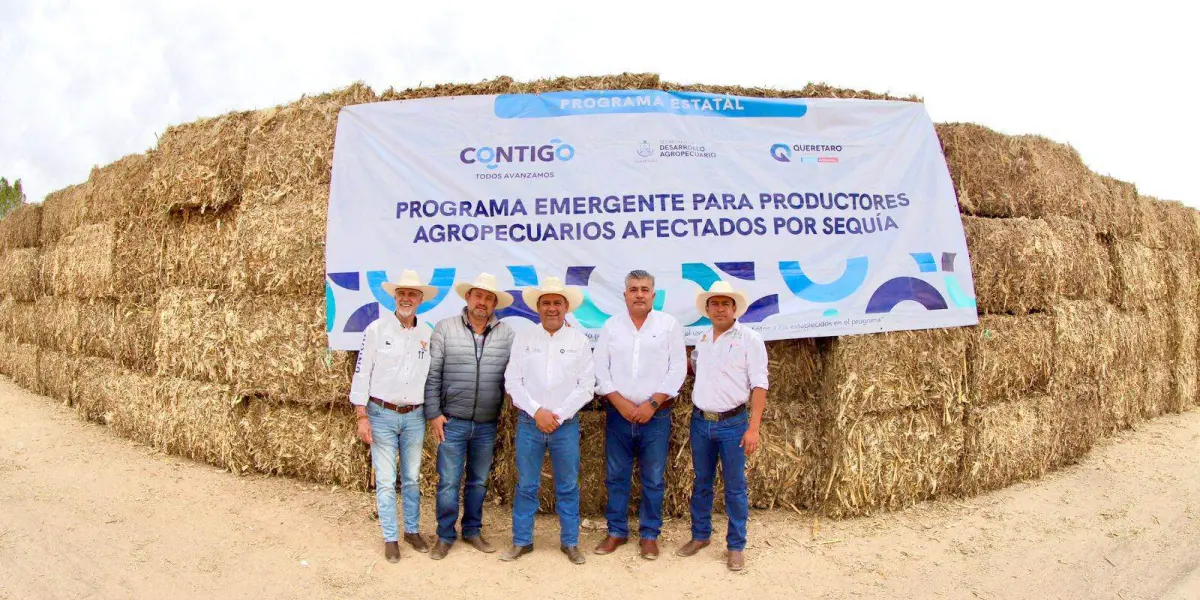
pixel 85 83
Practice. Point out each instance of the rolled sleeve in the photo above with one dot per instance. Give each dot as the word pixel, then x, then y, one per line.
pixel 756 363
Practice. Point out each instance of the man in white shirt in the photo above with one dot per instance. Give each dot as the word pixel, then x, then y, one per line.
pixel 550 376
pixel 730 362
pixel 388 392
pixel 641 362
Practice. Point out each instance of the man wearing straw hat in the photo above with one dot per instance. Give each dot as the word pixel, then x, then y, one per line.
pixel 641 362
pixel 730 362
pixel 550 377
pixel 463 396
pixel 387 392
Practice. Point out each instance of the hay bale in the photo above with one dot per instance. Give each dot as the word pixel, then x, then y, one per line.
pixel 200 164
pixel 120 189
pixel 7 347
pixel 313 443
pixel 279 350
pixel 95 328
pixel 21 227
pixel 199 250
pixel 1128 216
pixel 138 255
pixel 202 423
pixel 58 375
pixel 1184 384
pixel 1179 225
pixel 23 366
pixel 81 263
pixel 281 241
pixel 53 323
pixel 886 372
pixel 1087 336
pixel 1021 176
pixel 291 146
pixel 66 210
pixel 136 331
pixel 20 273
pixel 1142 275
pixel 193 339
pixel 1010 357
pixel 1016 264
pixel 22 321
pixel 134 408
pixel 1157 397
pixel 92 400
pixel 1087 269
pixel 893 460
pixel 1027 438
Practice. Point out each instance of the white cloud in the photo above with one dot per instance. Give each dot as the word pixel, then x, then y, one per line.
pixel 86 83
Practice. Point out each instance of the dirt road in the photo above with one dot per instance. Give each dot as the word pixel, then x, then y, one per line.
pixel 84 514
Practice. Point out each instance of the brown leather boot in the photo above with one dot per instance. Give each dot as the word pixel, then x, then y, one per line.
pixel 736 561
pixel 573 554
pixel 610 545
pixel 480 544
pixel 648 549
pixel 440 549
pixel 516 552
pixel 691 548
pixel 391 551
pixel 417 542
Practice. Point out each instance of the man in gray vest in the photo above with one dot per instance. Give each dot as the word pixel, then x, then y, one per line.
pixel 463 395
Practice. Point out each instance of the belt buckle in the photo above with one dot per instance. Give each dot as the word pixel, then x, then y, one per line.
pixel 711 416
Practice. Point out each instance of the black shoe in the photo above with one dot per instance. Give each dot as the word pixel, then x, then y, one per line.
pixel 574 554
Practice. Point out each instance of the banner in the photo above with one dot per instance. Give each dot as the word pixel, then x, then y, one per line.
pixel 834 216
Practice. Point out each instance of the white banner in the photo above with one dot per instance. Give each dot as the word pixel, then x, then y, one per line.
pixel 834 216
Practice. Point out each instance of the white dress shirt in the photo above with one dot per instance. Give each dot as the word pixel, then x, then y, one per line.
pixel 638 363
pixel 554 372
pixel 728 368
pixel 393 363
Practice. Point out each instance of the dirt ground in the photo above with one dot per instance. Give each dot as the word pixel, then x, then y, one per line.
pixel 84 514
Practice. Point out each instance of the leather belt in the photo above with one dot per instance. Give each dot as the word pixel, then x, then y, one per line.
pixel 721 416
pixel 402 409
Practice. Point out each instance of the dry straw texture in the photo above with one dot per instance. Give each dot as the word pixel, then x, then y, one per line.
pixel 200 164
pixel 199 250
pixel 281 241
pixel 58 375
pixel 20 320
pixel 81 263
pixel 1016 263
pixel 23 366
pixel 278 350
pixel 21 227
pixel 20 273
pixel 65 210
pixel 893 460
pixel 1010 357
pixel 136 332
pixel 1086 335
pixel 1179 226
pixel 139 253
pixel 7 348
pixel 1142 275
pixel 313 443
pixel 1022 176
pixel 886 372
pixel 120 189
pixel 193 339
pixel 1086 268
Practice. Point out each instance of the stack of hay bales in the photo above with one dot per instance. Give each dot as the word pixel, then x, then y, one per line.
pixel 178 297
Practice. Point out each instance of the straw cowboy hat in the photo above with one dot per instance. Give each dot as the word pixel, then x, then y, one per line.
pixel 722 288
pixel 553 285
pixel 487 283
pixel 409 280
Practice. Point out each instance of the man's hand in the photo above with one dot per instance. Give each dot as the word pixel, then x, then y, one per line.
pixel 364 430
pixel 643 413
pixel 438 425
pixel 750 441
pixel 546 421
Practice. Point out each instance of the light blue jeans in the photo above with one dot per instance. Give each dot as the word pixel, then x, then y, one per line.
pixel 390 431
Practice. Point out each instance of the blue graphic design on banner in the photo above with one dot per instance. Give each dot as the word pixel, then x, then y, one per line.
pixel 925 261
pixel 902 289
pixel 741 270
pixel 693 104
pixel 365 315
pixel 853 278
pixel 330 307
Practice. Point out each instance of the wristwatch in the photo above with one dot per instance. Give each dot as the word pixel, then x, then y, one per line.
pixel 654 404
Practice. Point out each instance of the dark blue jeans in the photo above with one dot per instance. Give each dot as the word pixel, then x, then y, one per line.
pixel 468 447
pixel 532 446
pixel 712 441
pixel 647 443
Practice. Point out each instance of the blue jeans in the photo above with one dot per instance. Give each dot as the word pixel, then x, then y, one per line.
pixel 390 431
pixel 624 442
pixel 468 447
pixel 710 441
pixel 563 446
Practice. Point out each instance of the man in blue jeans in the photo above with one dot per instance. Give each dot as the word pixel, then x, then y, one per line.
pixel 641 362
pixel 730 361
pixel 387 393
pixel 550 377
pixel 463 396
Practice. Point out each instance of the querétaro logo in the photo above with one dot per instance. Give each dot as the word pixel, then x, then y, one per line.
pixel 781 152
pixel 493 156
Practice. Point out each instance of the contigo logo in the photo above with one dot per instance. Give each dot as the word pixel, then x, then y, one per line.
pixel 494 156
